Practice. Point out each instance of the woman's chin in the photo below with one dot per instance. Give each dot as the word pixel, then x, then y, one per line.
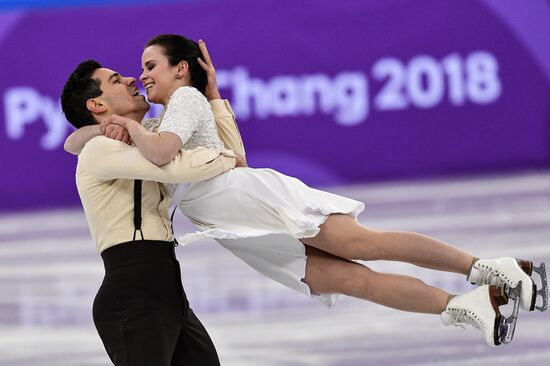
pixel 152 98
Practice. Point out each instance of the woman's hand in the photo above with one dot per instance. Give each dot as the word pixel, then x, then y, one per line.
pixel 115 127
pixel 211 91
pixel 119 133
pixel 115 119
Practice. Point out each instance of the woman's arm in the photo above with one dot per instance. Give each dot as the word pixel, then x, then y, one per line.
pixel 159 148
pixel 75 141
pixel 107 160
pixel 181 118
pixel 225 118
pixel 212 92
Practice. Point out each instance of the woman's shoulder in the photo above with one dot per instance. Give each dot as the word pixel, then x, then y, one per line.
pixel 189 92
pixel 190 101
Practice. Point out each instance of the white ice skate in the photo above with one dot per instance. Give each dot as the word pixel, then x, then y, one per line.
pixel 510 271
pixel 480 308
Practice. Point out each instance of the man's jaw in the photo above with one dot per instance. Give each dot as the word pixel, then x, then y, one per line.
pixel 143 106
pixel 134 92
pixel 137 115
pixel 141 112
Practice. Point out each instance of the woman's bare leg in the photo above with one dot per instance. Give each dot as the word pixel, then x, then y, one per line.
pixel 326 273
pixel 342 236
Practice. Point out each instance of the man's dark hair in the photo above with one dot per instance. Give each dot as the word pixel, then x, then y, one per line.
pixel 78 88
pixel 178 48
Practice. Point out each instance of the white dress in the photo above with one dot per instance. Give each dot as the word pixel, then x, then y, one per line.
pixel 257 214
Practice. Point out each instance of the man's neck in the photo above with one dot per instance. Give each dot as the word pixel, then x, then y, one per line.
pixel 137 116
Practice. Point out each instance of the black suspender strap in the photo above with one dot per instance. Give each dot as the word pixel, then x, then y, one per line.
pixel 172 224
pixel 137 208
pixel 137 213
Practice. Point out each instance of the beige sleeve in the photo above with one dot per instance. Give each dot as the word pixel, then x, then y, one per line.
pixel 227 126
pixel 108 159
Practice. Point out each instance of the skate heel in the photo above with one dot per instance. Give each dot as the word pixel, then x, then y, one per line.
pixel 526 266
pixel 498 297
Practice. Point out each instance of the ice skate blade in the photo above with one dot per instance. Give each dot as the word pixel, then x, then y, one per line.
pixel 506 326
pixel 543 292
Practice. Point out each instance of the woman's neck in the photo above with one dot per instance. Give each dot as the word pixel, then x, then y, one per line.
pixel 177 84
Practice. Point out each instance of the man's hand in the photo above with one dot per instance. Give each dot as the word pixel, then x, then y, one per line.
pixel 211 91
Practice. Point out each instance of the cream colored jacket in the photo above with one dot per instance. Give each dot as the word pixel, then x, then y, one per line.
pixel 105 176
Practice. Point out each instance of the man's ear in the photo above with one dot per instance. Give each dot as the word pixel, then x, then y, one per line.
pixel 96 105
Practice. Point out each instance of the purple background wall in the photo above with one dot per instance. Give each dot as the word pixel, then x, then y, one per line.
pixel 328 93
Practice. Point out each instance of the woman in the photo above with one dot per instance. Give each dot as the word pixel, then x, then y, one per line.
pixel 305 238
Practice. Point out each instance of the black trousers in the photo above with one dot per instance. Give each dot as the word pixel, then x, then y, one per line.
pixel 141 312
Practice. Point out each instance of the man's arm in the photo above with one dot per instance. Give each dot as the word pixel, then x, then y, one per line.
pixel 107 159
pixel 227 126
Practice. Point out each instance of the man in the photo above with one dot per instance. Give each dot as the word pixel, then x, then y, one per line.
pixel 141 312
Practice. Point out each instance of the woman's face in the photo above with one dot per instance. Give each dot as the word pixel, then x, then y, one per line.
pixel 158 77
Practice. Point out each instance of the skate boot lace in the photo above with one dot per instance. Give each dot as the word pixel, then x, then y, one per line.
pixel 491 276
pixel 464 316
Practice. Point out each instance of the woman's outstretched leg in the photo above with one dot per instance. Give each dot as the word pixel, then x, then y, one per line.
pixel 326 273
pixel 342 236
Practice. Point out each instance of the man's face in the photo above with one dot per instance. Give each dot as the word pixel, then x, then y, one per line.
pixel 120 94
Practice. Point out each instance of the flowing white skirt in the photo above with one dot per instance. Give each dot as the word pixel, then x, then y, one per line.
pixel 260 215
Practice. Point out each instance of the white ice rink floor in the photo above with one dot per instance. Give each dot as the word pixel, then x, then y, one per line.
pixel 50 272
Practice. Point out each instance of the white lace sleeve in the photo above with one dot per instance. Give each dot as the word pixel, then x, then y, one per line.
pixel 151 124
pixel 186 108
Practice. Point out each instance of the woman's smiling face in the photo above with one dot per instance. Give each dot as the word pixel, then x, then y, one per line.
pixel 159 78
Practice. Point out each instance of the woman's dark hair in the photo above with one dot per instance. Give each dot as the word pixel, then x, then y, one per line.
pixel 178 48
pixel 78 88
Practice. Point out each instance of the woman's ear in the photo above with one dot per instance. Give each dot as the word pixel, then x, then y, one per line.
pixel 96 105
pixel 183 68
